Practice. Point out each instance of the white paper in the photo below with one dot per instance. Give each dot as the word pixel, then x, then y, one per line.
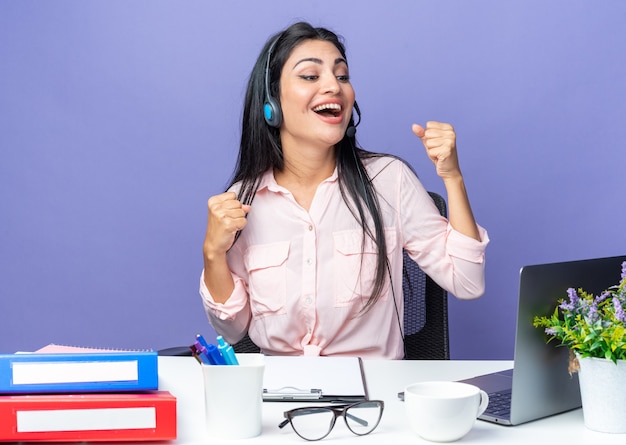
pixel 28 373
pixel 335 376
pixel 85 419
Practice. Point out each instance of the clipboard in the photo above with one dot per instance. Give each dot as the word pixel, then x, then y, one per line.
pixel 314 379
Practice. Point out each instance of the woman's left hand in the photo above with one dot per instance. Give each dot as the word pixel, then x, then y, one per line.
pixel 439 139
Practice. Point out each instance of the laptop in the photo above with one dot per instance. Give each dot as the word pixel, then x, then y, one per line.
pixel 539 385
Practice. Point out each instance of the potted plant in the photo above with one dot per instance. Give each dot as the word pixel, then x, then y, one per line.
pixel 594 329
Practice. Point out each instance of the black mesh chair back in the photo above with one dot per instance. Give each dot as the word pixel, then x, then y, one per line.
pixel 245 345
pixel 425 309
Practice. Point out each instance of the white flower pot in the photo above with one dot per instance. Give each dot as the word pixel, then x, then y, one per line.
pixel 603 393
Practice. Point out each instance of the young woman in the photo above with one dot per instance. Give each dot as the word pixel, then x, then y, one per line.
pixel 304 250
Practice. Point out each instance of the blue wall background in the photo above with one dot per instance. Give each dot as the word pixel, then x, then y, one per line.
pixel 119 119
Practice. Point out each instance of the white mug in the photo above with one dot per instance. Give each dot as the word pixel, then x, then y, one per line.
pixel 442 411
pixel 234 397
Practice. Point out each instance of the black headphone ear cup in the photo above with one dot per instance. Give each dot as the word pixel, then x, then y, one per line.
pixel 272 112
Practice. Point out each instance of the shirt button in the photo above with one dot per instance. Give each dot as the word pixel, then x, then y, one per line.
pixel 309 261
pixel 308 300
pixel 310 228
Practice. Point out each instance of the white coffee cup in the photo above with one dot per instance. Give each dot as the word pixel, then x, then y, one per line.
pixel 234 397
pixel 442 411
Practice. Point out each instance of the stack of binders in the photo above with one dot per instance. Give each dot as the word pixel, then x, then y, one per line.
pixel 84 396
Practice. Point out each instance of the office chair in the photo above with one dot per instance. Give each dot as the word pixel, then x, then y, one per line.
pixel 246 345
pixel 425 313
pixel 425 309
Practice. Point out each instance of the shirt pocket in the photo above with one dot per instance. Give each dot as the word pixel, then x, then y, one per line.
pixel 355 265
pixel 267 273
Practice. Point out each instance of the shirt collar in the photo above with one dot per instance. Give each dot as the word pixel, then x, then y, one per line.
pixel 269 182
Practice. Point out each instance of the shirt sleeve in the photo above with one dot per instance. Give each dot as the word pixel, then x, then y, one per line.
pixel 453 260
pixel 229 319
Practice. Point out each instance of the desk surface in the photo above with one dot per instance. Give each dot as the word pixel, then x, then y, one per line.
pixel 385 378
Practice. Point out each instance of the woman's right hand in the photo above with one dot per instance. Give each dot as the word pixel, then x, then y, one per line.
pixel 226 217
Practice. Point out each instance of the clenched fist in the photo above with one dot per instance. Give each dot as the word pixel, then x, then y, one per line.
pixel 439 139
pixel 227 216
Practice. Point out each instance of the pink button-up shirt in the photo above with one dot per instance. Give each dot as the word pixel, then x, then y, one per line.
pixel 301 281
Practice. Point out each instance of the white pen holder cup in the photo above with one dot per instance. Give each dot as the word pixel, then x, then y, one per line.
pixel 234 397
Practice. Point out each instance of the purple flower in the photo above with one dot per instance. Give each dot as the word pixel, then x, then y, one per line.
pixel 550 331
pixel 573 301
pixel 573 296
pixel 623 270
pixel 592 314
pixel 600 298
pixel 619 310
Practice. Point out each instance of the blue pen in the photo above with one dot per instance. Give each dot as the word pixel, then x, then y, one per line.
pixel 215 358
pixel 227 351
pixel 203 352
pixel 202 341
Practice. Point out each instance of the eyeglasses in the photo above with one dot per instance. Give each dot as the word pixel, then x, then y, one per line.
pixel 316 422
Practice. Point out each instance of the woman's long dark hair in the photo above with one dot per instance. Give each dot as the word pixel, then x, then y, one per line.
pixel 260 148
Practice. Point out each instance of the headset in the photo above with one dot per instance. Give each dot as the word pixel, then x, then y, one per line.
pixel 351 130
pixel 271 108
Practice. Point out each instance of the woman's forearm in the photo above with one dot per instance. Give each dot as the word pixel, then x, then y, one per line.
pixel 459 210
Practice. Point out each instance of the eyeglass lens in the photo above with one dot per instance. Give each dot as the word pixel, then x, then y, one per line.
pixel 315 423
pixel 364 417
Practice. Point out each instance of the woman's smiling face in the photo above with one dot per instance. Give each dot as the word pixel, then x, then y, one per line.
pixel 316 96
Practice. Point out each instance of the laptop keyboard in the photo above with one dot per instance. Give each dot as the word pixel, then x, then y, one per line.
pixel 499 404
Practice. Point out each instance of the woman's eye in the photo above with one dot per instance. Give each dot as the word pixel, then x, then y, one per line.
pixel 307 77
pixel 344 78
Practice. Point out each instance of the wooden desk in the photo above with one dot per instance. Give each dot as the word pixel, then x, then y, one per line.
pixel 385 378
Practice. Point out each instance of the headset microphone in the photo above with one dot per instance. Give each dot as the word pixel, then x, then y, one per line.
pixel 271 108
pixel 351 130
